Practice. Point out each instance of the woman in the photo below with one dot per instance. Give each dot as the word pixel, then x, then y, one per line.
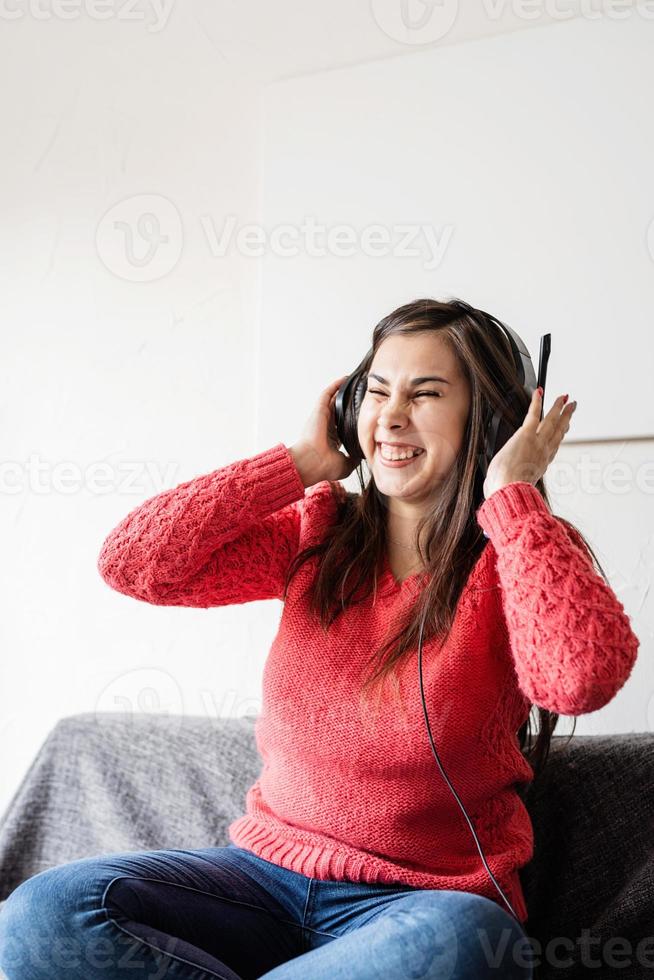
pixel 353 859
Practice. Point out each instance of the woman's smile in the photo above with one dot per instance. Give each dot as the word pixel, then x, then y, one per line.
pixel 412 418
pixel 415 456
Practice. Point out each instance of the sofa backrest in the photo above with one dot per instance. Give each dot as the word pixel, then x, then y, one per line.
pixel 105 782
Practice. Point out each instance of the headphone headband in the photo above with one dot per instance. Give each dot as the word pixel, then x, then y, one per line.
pixel 498 429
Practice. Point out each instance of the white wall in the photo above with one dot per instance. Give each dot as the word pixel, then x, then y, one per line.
pixel 533 187
pixel 153 366
pixel 487 175
pixel 526 190
pixel 154 377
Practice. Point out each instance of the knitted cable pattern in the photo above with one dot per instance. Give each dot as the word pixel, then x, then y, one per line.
pixel 338 796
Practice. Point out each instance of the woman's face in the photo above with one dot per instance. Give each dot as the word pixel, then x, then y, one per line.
pixel 430 414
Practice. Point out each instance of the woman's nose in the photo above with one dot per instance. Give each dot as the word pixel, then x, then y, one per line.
pixel 394 410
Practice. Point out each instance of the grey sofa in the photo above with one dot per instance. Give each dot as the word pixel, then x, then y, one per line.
pixel 106 782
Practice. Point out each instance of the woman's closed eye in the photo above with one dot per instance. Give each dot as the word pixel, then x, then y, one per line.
pixel 436 394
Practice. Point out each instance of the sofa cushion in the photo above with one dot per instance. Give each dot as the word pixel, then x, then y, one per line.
pixel 105 782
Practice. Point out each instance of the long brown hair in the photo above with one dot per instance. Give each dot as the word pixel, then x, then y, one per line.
pixel 355 545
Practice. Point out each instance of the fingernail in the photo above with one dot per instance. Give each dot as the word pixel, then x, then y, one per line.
pixel 540 391
pixel 565 398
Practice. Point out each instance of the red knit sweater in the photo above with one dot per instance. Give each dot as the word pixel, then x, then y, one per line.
pixel 339 797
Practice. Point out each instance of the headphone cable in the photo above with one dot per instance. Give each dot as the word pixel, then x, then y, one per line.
pixel 433 747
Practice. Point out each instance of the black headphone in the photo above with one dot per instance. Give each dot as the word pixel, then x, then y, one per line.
pixel 497 431
pixel 499 428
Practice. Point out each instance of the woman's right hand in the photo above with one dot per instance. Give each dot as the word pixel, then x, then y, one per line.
pixel 319 442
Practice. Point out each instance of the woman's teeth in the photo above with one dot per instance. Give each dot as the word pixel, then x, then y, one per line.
pixel 401 454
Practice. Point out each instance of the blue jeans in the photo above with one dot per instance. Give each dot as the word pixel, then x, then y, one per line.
pixel 224 912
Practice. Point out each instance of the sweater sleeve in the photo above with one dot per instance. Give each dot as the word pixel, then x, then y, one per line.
pixel 571 640
pixel 224 538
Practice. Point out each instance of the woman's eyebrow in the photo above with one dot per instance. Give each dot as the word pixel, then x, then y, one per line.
pixel 416 381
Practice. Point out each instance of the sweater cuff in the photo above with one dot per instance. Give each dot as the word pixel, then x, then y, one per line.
pixel 277 477
pixel 512 501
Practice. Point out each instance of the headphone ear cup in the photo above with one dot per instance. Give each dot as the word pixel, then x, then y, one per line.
pixel 341 413
pixel 489 442
pixel 499 429
pixel 347 405
pixel 358 394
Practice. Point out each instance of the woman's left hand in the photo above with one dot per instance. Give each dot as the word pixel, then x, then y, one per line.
pixel 532 447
